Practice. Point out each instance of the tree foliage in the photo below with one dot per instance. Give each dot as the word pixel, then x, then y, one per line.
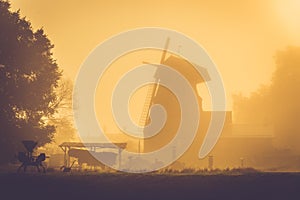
pixel 28 78
pixel 278 103
pixel 62 119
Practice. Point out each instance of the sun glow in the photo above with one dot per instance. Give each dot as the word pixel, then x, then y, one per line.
pixel 289 14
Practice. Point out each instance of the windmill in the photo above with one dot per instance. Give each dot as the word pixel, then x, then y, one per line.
pixel 152 90
pixel 158 94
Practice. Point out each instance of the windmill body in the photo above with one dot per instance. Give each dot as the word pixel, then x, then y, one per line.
pixel 159 94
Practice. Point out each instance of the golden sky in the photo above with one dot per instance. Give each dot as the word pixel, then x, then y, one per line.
pixel 240 36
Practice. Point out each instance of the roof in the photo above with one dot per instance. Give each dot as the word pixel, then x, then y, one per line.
pixel 185 68
pixel 100 145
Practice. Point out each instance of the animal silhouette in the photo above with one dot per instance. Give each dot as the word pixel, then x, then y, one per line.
pixel 67 169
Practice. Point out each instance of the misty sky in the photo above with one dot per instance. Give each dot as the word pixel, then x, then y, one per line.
pixel 240 36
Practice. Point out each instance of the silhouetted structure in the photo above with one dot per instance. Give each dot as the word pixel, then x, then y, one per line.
pixel 67 169
pixel 27 159
pixel 210 162
pixel 158 94
pixel 81 151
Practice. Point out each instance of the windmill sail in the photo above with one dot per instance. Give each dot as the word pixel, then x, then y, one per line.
pixel 158 94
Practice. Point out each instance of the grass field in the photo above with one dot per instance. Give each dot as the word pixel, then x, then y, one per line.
pixel 89 185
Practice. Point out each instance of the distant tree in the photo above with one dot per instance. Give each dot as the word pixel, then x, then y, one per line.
pixel 62 119
pixel 277 103
pixel 252 109
pixel 28 78
pixel 285 94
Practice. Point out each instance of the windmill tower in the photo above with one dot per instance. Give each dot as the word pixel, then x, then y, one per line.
pixel 158 94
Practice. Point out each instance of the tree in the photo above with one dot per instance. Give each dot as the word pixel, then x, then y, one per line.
pixel 285 90
pixel 28 78
pixel 277 103
pixel 62 119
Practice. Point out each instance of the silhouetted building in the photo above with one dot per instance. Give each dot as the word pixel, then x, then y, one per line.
pixel 159 94
pixel 239 145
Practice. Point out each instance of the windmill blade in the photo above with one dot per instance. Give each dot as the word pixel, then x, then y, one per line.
pixel 163 56
pixel 148 63
pixel 154 64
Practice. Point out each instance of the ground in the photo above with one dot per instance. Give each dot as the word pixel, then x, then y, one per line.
pixel 58 185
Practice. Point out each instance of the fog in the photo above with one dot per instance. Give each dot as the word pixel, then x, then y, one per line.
pixel 276 104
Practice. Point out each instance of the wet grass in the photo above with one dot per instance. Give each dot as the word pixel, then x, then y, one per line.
pixel 95 185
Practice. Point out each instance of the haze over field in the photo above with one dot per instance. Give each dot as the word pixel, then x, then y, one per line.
pixel 240 36
pixel 255 45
